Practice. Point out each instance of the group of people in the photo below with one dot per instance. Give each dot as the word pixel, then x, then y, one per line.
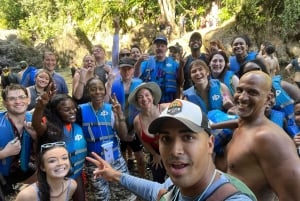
pixel 78 146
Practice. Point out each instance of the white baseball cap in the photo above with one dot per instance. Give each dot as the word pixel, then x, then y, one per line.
pixel 187 113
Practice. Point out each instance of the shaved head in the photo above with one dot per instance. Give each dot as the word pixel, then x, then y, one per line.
pixel 263 78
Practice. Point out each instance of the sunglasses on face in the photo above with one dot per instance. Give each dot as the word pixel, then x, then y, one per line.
pixel 125 54
pixel 47 146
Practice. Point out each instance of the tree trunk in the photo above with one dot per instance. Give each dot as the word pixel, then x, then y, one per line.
pixel 167 10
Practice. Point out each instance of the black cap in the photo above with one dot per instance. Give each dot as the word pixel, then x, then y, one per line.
pixel 126 62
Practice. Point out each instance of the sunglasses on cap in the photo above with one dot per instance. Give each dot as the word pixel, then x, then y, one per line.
pixel 47 146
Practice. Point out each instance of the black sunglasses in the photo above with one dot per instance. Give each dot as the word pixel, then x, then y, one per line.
pixel 125 54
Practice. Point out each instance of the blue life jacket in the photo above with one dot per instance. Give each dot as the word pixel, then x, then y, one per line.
pixel 235 65
pixel 227 80
pixel 164 74
pixel 215 96
pixel 222 136
pixel 285 104
pixel 97 129
pixel 7 135
pixel 28 78
pixel 76 146
pixel 118 90
pixel 277 117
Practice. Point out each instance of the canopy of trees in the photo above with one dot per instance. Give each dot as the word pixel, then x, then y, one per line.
pixel 40 19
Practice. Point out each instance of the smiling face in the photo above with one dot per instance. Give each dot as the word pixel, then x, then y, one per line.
pixel 16 102
pixel 67 111
pixel 195 43
pixel 49 61
pixel 56 163
pixel 144 98
pixel 217 65
pixel 135 53
pixel 199 74
pixel 239 47
pixel 252 95
pixel 96 90
pixel 186 155
pixel 42 80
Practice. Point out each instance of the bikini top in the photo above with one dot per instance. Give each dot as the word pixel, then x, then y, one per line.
pixel 147 138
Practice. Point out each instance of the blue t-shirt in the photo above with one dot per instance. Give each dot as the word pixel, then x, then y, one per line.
pixel 61 86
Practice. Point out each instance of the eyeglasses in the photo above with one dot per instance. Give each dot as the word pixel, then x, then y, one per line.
pixel 124 54
pixel 46 146
pixel 13 99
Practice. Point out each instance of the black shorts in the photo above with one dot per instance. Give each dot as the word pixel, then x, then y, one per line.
pixel 135 144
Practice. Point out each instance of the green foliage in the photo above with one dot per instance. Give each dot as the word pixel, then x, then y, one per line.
pixel 43 19
pixel 228 9
pixel 290 16
pixel 251 17
pixel 12 11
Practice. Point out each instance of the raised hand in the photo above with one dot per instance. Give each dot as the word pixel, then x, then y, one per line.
pixel 104 169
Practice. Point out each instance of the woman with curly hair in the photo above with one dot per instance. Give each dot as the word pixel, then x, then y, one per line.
pixel 54 120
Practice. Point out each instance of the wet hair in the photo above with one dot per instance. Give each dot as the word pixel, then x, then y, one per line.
pixel 42 184
pixel 12 87
pixel 244 37
pixel 260 62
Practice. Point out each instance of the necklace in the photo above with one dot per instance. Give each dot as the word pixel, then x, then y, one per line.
pixel 198 198
pixel 63 189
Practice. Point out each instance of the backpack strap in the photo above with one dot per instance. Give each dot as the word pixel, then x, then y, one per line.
pixel 223 192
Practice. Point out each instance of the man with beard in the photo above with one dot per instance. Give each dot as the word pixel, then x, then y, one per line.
pixel 260 153
pixel 195 45
pixel 162 70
